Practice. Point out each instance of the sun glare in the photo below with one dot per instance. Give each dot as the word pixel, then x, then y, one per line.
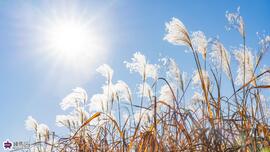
pixel 73 43
pixel 68 37
pixel 68 40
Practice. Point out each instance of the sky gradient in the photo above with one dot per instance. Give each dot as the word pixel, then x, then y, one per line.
pixel 32 83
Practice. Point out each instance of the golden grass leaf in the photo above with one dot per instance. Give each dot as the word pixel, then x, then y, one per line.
pixel 97 114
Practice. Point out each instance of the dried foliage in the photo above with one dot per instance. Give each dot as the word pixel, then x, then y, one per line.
pixel 169 111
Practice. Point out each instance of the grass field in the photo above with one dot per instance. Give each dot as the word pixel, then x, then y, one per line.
pixel 172 110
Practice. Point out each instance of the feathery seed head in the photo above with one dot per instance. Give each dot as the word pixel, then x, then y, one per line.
pixel 177 33
pixel 199 42
pixel 236 21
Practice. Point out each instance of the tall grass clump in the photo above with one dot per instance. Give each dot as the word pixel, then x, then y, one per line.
pixel 218 107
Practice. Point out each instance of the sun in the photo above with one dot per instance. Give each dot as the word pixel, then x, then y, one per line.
pixel 68 38
pixel 72 42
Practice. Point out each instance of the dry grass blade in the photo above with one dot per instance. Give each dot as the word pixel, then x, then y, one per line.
pixel 262 86
pixel 90 119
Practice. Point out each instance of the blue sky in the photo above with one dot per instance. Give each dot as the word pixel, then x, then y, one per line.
pixel 31 83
